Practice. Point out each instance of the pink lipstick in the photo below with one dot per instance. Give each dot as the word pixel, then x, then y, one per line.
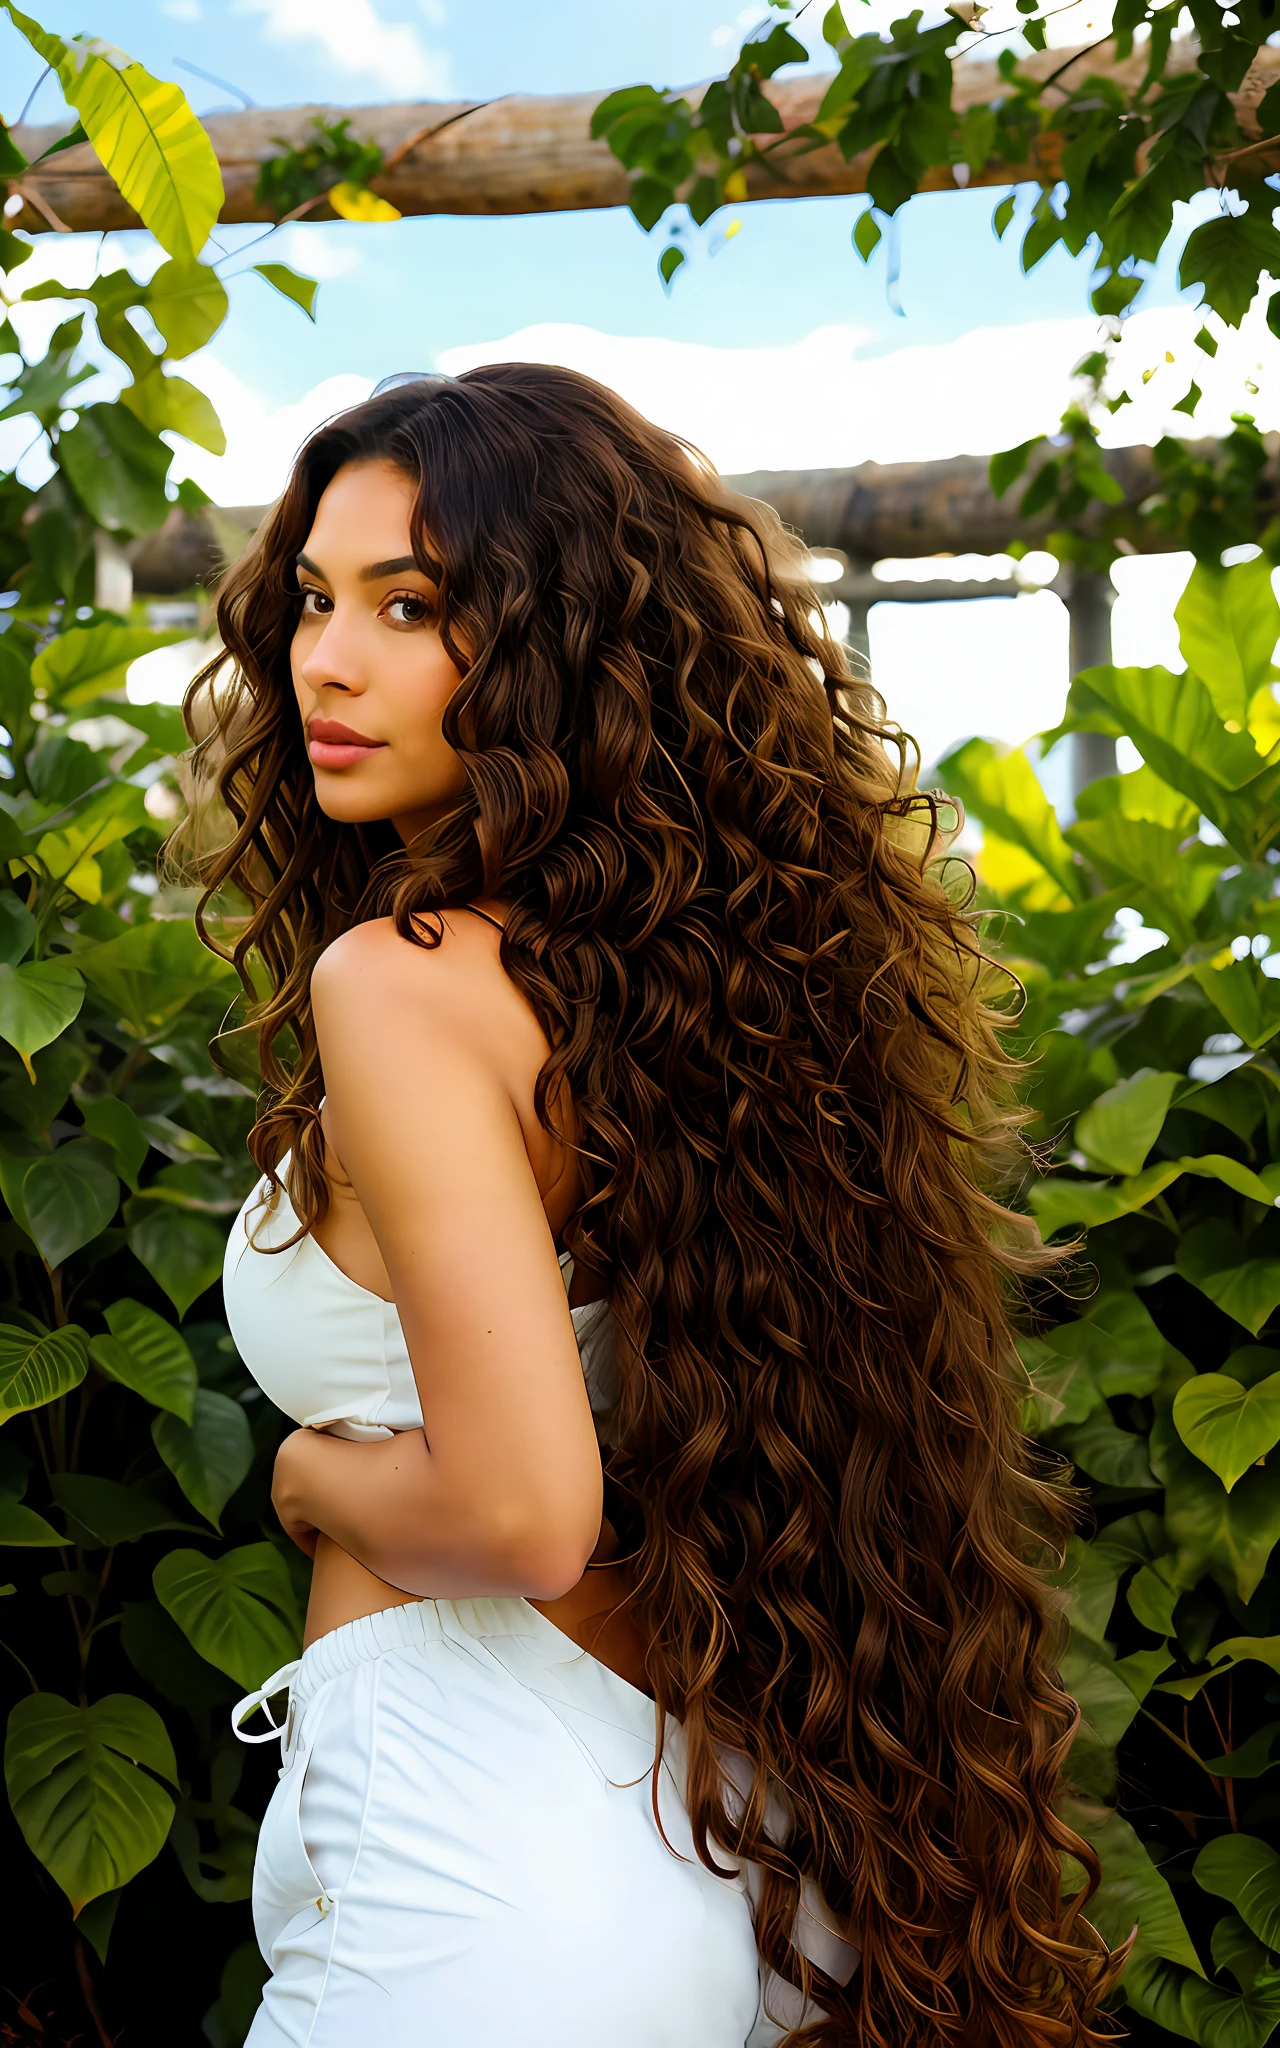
pixel 330 744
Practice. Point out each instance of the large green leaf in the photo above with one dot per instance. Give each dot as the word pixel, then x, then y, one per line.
pixel 1089 1576
pixel 1107 1708
pixel 174 405
pixel 21 1528
pixel 146 1353
pixel 183 1253
pixel 82 1788
pixel 69 1197
pixel 37 1002
pixel 188 302
pixel 1226 254
pixel 1167 880
pixel 117 469
pixel 114 1124
pixel 1002 790
pixel 1117 1131
pixel 1058 1202
pixel 302 290
pixel 1213 1259
pixel 1114 1456
pixel 87 661
pixel 35 1370
pixel 152 972
pixel 143 133
pixel 1249 1001
pixel 1228 625
pixel 1175 726
pixel 1245 1872
pixel 110 1513
pixel 1227 1426
pixel 238 1611
pixel 1132 1892
pixel 1183 2004
pixel 209 1456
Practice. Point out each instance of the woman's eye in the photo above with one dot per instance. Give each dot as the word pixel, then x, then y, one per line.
pixel 315 604
pixel 412 610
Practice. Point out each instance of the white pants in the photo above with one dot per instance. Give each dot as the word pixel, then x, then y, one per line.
pixel 462 1853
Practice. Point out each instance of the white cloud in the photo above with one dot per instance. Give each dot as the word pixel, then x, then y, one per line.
pixel 181 10
pixel 317 248
pixel 359 42
pixel 262 439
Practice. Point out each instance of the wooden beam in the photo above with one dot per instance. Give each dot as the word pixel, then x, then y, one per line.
pixel 527 154
pixel 870 514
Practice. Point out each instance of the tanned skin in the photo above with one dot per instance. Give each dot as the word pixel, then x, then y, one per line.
pixel 447 1195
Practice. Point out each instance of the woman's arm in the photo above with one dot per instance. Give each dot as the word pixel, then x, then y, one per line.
pixel 501 1490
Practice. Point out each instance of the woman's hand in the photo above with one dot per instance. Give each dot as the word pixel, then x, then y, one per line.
pixel 289 1489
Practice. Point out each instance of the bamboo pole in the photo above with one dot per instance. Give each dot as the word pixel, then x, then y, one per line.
pixel 527 154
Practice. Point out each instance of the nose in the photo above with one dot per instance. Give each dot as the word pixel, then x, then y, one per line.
pixel 333 658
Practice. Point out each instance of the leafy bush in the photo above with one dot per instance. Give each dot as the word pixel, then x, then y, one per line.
pixel 1157 1095
pixel 145 1578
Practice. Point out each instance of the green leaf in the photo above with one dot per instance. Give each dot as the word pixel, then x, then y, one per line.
pixel 151 973
pixel 37 1002
pixel 1228 625
pixel 90 661
pixel 117 468
pixel 1001 789
pixel 1112 1455
pixel 143 133
pixel 669 262
pixel 1226 255
pixel 1227 1426
pixel 87 1811
pixel 150 1356
pixel 210 1456
pixel 167 404
pixel 1168 881
pixel 111 1513
pixel 35 1370
pixel 1003 215
pixel 1175 726
pixel 239 1611
pixel 1224 1657
pixel 866 234
pixel 1246 1873
pixel 112 1121
pixel 183 1253
pixel 1247 999
pixel 302 290
pixel 1183 2004
pixel 188 302
pixel 1058 1203
pixel 1231 1534
pixel 21 1528
pixel 1008 464
pixel 1132 1891
pixel 1153 1593
pixel 1251 1759
pixel 1117 1131
pixel 17 929
pixel 1089 1576
pixel 69 1197
pixel 1212 1258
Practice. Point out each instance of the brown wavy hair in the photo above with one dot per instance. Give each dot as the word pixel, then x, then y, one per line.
pixel 794 1119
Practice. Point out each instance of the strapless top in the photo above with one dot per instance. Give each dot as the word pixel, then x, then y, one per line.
pixel 332 1354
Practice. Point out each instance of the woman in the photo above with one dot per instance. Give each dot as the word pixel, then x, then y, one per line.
pixel 677 1669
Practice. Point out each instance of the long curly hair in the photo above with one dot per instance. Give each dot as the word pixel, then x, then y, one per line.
pixel 794 1120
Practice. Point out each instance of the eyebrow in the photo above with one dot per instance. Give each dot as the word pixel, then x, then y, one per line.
pixel 376 571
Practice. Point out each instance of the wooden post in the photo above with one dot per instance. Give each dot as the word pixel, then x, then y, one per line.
pixel 1089 601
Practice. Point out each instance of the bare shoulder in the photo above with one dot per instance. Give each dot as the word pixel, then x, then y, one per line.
pixel 372 977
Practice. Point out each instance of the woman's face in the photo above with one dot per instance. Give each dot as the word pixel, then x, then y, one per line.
pixel 370 672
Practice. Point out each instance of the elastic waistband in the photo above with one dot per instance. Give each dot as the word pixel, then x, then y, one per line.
pixel 420 1622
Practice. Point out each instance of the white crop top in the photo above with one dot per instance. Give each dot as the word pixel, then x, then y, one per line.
pixel 333 1355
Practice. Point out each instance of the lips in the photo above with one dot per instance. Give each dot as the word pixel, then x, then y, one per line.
pixel 330 744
